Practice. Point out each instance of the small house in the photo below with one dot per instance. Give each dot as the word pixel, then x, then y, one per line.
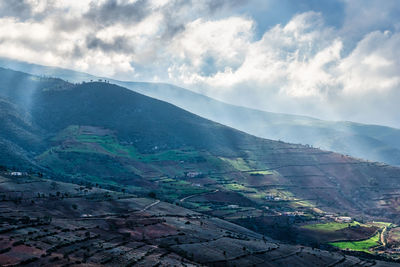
pixel 193 174
pixel 18 173
pixel 344 219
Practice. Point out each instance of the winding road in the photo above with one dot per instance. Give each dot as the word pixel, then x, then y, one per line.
pixel 196 195
pixel 149 206
pixel 383 236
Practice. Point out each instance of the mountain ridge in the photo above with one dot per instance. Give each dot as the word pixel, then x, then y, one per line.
pixel 372 142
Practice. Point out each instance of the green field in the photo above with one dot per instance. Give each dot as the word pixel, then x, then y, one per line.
pixel 71 140
pixel 363 245
pixel 380 224
pixel 237 187
pixel 237 163
pixel 330 227
pixel 177 189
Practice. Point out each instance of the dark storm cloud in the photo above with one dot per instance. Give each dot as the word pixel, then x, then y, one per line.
pixel 24 10
pixel 119 44
pixel 172 23
pixel 76 52
pixel 215 5
pixel 111 12
pixel 175 24
pixel 20 9
pixel 68 24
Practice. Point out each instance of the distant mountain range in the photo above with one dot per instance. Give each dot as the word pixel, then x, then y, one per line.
pixel 371 142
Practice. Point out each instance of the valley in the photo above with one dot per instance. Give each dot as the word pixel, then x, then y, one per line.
pixel 61 224
pixel 120 157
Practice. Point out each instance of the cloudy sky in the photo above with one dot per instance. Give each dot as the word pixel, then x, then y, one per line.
pixel 332 59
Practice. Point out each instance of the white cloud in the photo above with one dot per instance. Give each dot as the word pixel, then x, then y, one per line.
pixel 294 57
pixel 220 45
pixel 373 66
pixel 302 66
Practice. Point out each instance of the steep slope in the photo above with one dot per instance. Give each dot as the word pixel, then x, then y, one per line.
pixel 19 138
pixel 148 123
pixel 372 142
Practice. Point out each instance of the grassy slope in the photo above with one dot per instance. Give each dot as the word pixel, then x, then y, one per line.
pixel 76 145
pixel 363 245
pixel 332 226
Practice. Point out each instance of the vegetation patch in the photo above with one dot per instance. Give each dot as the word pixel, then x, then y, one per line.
pixel 257 195
pixel 363 245
pixel 255 173
pixel 178 189
pixel 238 163
pixel 236 187
pixel 331 226
pixel 380 224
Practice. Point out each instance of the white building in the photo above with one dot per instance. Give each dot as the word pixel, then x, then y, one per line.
pixel 18 173
pixel 344 219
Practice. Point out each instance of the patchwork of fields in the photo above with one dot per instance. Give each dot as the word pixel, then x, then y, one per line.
pixel 60 224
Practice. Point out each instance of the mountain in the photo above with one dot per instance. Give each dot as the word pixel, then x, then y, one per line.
pixel 104 136
pixel 371 142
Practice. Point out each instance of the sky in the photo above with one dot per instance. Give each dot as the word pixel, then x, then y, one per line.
pixel 331 59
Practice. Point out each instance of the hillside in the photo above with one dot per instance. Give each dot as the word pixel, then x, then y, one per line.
pixel 61 224
pixel 105 136
pixel 370 142
pixel 19 138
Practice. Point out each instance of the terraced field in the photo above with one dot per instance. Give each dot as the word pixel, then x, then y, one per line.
pixel 240 190
pixel 362 245
pixel 332 226
pixel 58 224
